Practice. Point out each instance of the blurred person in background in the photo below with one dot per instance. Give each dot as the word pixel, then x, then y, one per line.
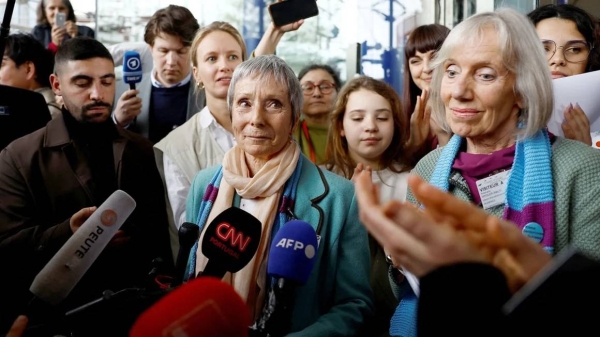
pixel 320 85
pixel 569 35
pixel 48 33
pixel 425 134
pixel 26 64
pixel 164 99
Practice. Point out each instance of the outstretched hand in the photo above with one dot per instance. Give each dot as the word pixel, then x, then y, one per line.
pixel 516 255
pixel 414 239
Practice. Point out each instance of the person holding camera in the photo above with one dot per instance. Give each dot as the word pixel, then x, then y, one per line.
pixel 56 23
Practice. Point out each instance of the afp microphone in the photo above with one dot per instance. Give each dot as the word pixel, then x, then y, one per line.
pixel 204 307
pixel 56 280
pixel 291 259
pixel 230 242
pixel 132 68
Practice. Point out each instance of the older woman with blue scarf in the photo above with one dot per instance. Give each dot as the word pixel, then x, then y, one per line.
pixel 267 175
pixel 492 90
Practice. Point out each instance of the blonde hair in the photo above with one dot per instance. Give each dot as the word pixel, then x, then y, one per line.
pixel 217 26
pixel 522 55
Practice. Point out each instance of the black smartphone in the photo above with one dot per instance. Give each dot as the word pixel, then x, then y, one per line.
pixel 289 11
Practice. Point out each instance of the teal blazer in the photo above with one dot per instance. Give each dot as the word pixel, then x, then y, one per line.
pixel 337 297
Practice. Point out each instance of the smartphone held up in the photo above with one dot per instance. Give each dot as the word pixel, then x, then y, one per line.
pixel 60 19
pixel 288 11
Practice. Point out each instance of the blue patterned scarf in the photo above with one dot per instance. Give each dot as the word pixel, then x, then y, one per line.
pixel 529 203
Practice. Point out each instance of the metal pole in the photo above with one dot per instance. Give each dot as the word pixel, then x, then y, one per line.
pixel 96 29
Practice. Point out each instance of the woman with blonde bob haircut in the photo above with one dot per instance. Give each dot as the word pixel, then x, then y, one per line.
pixel 492 90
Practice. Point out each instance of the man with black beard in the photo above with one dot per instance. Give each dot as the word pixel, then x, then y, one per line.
pixel 51 180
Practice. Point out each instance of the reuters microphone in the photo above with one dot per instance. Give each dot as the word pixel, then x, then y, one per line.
pixel 205 307
pixel 230 242
pixel 132 68
pixel 56 280
pixel 291 259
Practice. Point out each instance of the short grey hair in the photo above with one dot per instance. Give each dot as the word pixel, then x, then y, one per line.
pixel 264 68
pixel 522 55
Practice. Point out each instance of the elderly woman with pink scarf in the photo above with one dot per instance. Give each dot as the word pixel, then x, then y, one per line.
pixel 266 175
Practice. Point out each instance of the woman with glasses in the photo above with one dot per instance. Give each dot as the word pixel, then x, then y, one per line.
pixel 320 86
pixel 568 34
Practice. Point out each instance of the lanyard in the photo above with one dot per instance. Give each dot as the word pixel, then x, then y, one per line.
pixel 311 149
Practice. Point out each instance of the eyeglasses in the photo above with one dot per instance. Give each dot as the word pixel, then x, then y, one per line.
pixel 324 87
pixel 573 51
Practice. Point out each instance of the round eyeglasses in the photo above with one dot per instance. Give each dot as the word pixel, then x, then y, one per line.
pixel 324 87
pixel 573 51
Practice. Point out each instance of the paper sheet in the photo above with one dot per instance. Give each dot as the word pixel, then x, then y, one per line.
pixel 583 89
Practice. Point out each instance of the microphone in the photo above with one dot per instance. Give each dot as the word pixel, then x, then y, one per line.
pixel 230 242
pixel 56 280
pixel 189 233
pixel 291 259
pixel 203 307
pixel 132 68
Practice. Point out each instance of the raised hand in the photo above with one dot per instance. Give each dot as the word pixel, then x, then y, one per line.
pixel 576 125
pixel 360 168
pixel 58 35
pixel 419 122
pixel 71 28
pixel 129 106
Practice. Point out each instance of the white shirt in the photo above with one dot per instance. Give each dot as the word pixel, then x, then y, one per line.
pixel 156 83
pixel 178 186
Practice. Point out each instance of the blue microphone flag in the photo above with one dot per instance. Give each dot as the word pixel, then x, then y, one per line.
pixel 293 252
pixel 132 67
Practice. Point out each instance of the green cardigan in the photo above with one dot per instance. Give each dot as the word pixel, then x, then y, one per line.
pixel 337 297
pixel 576 175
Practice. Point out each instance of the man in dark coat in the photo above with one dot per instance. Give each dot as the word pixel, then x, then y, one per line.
pixel 77 162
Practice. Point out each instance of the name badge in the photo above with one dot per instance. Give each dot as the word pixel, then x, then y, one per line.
pixel 492 190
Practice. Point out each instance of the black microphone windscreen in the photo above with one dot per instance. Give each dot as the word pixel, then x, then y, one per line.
pixel 230 242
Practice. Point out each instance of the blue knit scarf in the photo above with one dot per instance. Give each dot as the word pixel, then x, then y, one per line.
pixel 529 204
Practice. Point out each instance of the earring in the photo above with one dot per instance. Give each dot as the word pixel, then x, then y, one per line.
pixel 198 85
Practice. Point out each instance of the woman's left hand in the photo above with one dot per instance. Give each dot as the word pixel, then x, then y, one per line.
pixel 71 28
pixel 576 125
pixel 413 239
pixel 290 27
pixel 419 122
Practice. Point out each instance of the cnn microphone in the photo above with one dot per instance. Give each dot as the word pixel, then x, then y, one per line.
pixel 189 233
pixel 132 68
pixel 56 280
pixel 204 307
pixel 291 259
pixel 230 242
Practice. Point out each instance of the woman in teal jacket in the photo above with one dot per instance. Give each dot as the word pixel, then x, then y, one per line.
pixel 266 175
